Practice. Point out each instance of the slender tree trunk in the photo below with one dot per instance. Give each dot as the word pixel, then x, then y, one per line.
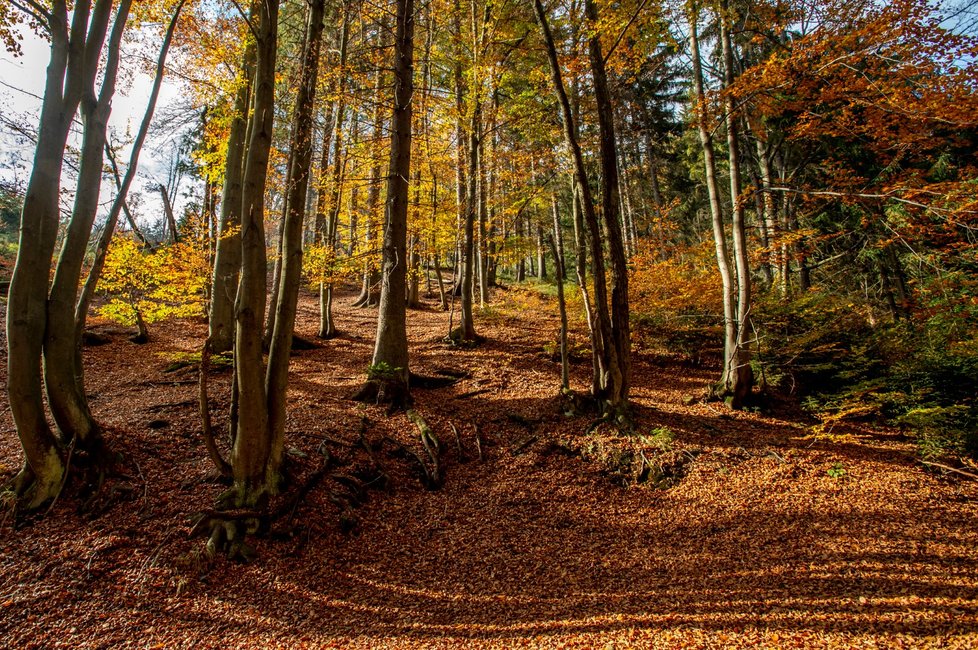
pixel 483 226
pixel 719 234
pixel 740 377
pixel 616 385
pixel 329 202
pixel 559 274
pixel 252 443
pixel 602 327
pixel 102 247
pixel 541 254
pixel 41 477
pixel 292 229
pixel 227 258
pixel 390 360
pixel 63 376
pixel 171 220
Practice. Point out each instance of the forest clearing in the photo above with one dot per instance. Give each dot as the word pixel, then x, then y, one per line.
pixel 768 536
pixel 497 323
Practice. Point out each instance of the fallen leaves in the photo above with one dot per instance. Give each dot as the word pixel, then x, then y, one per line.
pixel 756 545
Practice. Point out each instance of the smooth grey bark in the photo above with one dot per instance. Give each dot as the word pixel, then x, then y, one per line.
pixel 171 220
pixel 74 54
pixel 738 376
pixel 713 190
pixel 63 376
pixel 328 205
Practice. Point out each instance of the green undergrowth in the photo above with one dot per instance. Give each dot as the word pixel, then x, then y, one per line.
pixel 918 373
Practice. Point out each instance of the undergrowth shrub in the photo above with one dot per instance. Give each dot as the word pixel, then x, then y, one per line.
pixel 918 373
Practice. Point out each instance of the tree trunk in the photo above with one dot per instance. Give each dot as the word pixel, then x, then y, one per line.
pixel 719 234
pixel 616 384
pixel 102 247
pixel 739 377
pixel 41 477
pixel 63 376
pixel 252 442
pixel 227 258
pixel 390 359
pixel 328 207
pixel 171 220
pixel 292 229
pixel 559 274
pixel 601 326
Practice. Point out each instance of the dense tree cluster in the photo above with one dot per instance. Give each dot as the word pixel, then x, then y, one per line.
pixel 792 183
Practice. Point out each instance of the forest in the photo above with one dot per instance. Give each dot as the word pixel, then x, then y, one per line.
pixel 497 323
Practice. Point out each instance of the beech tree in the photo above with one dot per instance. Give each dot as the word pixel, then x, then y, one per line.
pixel 388 374
pixel 76 50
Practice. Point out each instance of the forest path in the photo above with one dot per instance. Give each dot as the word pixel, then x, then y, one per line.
pixel 768 538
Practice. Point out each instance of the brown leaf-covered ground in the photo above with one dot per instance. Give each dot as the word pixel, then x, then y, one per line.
pixel 766 536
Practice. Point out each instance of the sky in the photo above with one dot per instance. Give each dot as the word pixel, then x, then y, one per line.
pixel 21 86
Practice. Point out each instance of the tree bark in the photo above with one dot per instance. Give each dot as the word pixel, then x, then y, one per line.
pixel 719 233
pixel 328 207
pixel 62 374
pixel 252 443
pixel 739 378
pixel 616 385
pixel 292 228
pixel 227 258
pixel 390 359
pixel 41 477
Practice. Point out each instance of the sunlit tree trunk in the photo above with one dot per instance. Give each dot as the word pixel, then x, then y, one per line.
pixel 739 377
pixel 616 385
pixel 252 443
pixel 292 229
pixel 719 233
pixel 328 206
pixel 27 297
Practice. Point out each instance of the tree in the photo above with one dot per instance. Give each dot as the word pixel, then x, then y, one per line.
pixel 610 338
pixel 71 75
pixel 388 374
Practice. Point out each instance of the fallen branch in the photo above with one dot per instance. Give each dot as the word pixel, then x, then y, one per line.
pixel 948 468
pixel 521 446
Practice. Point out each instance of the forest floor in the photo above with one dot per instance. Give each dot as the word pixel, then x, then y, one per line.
pixel 747 532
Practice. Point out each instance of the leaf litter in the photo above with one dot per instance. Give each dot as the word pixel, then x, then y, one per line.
pixel 704 529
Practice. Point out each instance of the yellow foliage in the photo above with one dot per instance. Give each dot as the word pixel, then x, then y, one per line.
pixel 686 282
pixel 153 285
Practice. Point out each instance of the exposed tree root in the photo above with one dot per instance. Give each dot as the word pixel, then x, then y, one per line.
pixel 433 448
pixel 384 391
pixel 84 470
pixel 462 457
pixel 458 339
pixel 426 382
